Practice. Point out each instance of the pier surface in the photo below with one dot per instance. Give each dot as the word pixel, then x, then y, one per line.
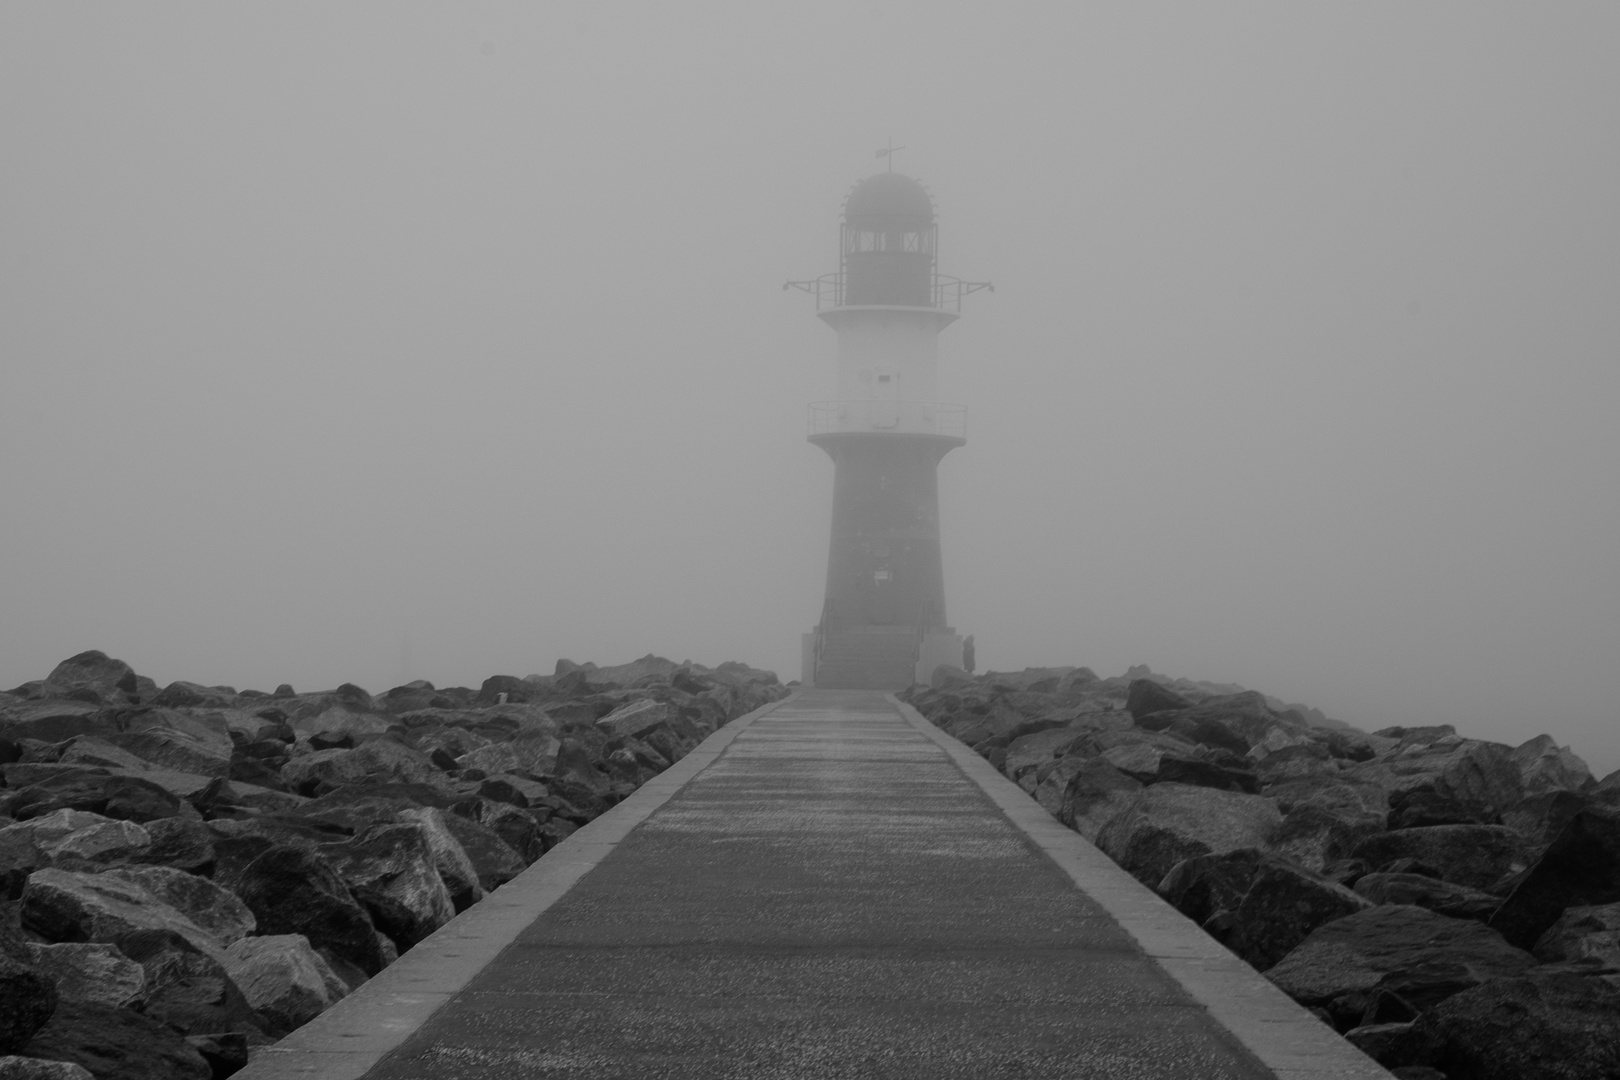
pixel 828 888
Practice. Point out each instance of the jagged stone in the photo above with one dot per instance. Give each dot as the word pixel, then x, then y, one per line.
pixel 107 842
pixel 1540 818
pixel 1478 856
pixel 64 788
pixel 1544 766
pixel 1144 697
pixel 1479 775
pixel 182 742
pixel 1094 796
pixel 1281 907
pixel 94 972
pixel 27 1000
pixel 494 860
pixel 186 987
pixel 380 761
pixel 1457 901
pixel 1028 753
pixel 390 869
pixel 1535 1026
pixel 1404 948
pixel 450 859
pixel 110 680
pixel 64 906
pixel 189 695
pixel 1205 886
pixel 181 842
pixel 13 1067
pixel 292 890
pixel 1583 934
pixel 117 1044
pixel 286 981
pixel 1315 837
pixel 1581 868
pixel 1166 823
pixel 216 910
pixel 636 719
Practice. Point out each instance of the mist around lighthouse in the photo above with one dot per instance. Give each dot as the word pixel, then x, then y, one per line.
pixel 410 459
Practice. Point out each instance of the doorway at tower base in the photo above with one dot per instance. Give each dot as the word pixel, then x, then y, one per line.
pixel 876 657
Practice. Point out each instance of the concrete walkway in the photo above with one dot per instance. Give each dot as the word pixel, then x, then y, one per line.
pixel 831 889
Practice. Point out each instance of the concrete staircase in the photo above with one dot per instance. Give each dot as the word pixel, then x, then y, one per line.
pixel 868 658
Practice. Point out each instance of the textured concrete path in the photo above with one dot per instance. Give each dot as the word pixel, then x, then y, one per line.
pixel 834 893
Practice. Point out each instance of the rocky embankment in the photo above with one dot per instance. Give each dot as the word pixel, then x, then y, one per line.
pixel 1451 906
pixel 191 871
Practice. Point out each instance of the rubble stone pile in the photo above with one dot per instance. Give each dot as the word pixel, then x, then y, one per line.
pixel 188 872
pixel 1450 905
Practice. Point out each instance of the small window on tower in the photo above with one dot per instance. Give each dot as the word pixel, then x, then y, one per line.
pixel 883 378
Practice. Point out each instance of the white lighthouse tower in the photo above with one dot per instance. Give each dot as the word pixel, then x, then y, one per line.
pixel 883 623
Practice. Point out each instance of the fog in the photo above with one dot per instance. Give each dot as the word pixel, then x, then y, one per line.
pixel 378 342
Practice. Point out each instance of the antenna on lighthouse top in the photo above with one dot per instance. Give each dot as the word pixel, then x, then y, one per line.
pixel 888 152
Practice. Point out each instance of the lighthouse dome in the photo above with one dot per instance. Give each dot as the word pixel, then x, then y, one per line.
pixel 888 195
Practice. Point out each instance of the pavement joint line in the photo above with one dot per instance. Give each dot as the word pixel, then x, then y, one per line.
pixel 1270 1025
pixel 347 1040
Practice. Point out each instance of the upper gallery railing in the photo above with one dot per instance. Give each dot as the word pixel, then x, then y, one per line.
pixel 898 417
pixel 945 294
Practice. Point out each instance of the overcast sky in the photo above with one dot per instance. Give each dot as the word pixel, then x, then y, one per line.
pixel 377 342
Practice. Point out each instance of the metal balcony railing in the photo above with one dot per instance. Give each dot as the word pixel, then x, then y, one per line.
pixel 896 417
pixel 945 294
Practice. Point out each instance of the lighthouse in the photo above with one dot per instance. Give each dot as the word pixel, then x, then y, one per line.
pixel 883 624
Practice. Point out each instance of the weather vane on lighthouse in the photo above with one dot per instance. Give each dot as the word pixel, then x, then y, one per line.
pixel 883 620
pixel 888 152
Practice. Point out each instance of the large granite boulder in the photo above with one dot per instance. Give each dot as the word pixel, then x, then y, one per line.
pixel 93 676
pixel 1414 952
pixel 61 905
pixel 1581 868
pixel 1478 856
pixel 636 719
pixel 1583 934
pixel 27 1000
pixel 1315 837
pixel 1206 886
pixel 1540 818
pixel 292 890
pixel 380 761
pixel 1168 822
pixel 41 791
pixel 451 861
pixel 1539 1025
pixel 1144 697
pixel 183 742
pixel 493 860
pixel 1544 766
pixel 187 988
pixel 117 1044
pixel 1027 754
pixel 1480 777
pixel 184 843
pixel 16 1067
pixel 391 870
pixel 1096 792
pixel 1457 901
pixel 216 910
pixel 1281 907
pixel 94 972
pixel 286 981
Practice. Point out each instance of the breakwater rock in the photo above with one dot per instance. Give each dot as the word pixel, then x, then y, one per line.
pixel 188 872
pixel 1451 906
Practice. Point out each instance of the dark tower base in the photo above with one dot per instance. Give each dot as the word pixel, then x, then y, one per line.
pixel 885 576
